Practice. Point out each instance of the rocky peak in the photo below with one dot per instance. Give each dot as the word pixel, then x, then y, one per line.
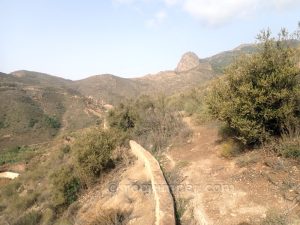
pixel 188 61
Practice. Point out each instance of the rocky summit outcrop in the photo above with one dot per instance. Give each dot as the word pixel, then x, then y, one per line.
pixel 188 61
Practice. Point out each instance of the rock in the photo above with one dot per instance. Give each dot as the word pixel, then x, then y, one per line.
pixel 188 61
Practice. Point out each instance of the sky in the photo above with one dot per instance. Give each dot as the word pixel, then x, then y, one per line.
pixel 75 39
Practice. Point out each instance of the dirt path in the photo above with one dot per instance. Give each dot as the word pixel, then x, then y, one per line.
pixel 221 192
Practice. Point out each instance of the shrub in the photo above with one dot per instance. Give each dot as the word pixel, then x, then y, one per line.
pixel 124 118
pixel 148 120
pixel 52 122
pixel 289 144
pixel 66 187
pixel 93 152
pixel 230 148
pixel 260 92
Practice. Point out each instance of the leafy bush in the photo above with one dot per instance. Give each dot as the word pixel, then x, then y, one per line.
pixel 66 187
pixel 93 152
pixel 52 122
pixel 124 118
pixel 150 121
pixel 260 92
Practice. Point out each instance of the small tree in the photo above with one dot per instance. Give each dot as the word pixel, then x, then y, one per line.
pixel 259 93
pixel 93 153
pixel 65 187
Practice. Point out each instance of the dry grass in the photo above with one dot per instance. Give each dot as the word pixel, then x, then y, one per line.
pixel 289 144
pixel 275 218
pixel 111 217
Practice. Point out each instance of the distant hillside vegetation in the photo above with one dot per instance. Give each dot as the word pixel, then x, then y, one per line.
pixel 34 107
pixel 222 60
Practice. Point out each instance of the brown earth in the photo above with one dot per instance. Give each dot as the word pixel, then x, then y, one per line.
pixel 233 191
pixel 127 190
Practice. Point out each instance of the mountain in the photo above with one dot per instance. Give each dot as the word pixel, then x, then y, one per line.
pixel 221 60
pixel 190 72
pixel 34 106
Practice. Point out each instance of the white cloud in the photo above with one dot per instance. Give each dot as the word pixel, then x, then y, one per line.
pixel 157 20
pixel 218 12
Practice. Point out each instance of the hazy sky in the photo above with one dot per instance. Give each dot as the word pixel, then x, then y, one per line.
pixel 78 38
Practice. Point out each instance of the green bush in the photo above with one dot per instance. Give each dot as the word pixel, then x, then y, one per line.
pixel 259 93
pixel 124 118
pixel 150 121
pixel 66 187
pixel 52 122
pixel 93 152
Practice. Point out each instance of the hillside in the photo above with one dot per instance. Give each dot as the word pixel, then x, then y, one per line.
pixel 190 72
pixel 223 59
pixel 35 106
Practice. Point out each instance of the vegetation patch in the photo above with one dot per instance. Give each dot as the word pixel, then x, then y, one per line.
pixel 259 93
pixel 150 121
pixel 52 122
pixel 93 153
pixel 17 154
pixel 30 218
pixel 289 143
pixel 231 148
pixel 66 187
pixel 275 218
pixel 111 217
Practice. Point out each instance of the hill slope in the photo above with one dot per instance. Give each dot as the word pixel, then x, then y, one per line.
pixel 35 106
pixel 112 89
